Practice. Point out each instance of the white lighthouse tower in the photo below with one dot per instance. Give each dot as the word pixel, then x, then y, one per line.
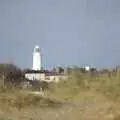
pixel 36 58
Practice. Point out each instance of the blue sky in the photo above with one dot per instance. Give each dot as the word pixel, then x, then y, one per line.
pixel 69 32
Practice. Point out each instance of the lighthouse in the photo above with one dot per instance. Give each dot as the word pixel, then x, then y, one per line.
pixel 36 58
pixel 39 74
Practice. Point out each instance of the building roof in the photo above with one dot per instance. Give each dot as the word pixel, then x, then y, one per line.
pixel 46 72
pixel 35 71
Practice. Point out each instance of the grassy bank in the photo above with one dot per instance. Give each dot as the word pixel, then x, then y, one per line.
pixel 106 84
pixel 84 96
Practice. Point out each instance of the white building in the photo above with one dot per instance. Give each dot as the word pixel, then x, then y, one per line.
pixel 44 76
pixel 36 58
pixel 33 75
pixel 87 68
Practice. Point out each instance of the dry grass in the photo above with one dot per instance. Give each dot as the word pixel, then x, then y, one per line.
pixel 84 106
pixel 83 97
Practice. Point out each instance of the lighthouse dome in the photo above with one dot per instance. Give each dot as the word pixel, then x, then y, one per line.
pixel 37 48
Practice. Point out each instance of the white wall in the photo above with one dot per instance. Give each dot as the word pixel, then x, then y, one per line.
pixel 42 77
pixel 35 76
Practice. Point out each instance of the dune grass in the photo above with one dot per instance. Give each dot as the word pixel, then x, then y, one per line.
pixel 91 96
pixel 107 84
